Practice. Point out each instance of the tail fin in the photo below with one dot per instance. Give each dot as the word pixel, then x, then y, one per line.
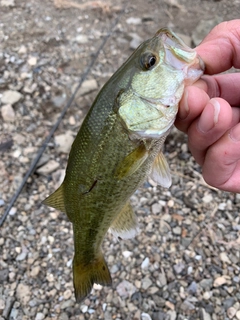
pixel 84 276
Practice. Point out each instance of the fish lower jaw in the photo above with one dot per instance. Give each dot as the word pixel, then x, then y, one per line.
pixel 154 133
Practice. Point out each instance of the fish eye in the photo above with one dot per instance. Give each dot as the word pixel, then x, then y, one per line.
pixel 148 61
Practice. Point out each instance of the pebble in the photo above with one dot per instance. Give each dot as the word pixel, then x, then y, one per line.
pixel 8 3
pixel 23 293
pixel 205 315
pixel 11 97
pixel 146 283
pixel 8 113
pixel 81 39
pixel 32 61
pixel 219 281
pixel 64 142
pixel 49 167
pixel 134 20
pixel 231 312
pixel 224 257
pixel 35 271
pixel 162 280
pixel 145 263
pixel 156 208
pixel 40 316
pixel 126 289
pixel 145 316
pixel 238 314
pixel 86 87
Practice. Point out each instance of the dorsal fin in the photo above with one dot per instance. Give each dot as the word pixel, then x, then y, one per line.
pixel 56 200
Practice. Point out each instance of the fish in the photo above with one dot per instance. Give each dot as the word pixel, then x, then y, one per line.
pixel 118 146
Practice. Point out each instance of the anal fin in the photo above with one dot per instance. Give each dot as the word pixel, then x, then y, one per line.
pixel 161 171
pixel 125 225
pixel 56 200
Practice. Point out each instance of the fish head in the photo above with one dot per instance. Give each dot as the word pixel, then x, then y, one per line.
pixel 161 67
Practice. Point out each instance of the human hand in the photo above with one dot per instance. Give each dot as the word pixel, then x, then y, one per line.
pixel 209 111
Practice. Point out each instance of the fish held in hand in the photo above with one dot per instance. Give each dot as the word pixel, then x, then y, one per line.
pixel 118 145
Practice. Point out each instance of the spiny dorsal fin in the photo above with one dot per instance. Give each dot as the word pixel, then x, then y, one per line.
pixel 132 162
pixel 125 225
pixel 161 172
pixel 56 200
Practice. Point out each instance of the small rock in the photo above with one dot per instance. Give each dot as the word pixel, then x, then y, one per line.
pixel 84 308
pixel 208 198
pixel 179 267
pixel 146 283
pixel 219 281
pixel 134 20
pixel 8 3
pixel 81 38
pixel 172 314
pixel 156 208
pixel 40 316
pixel 145 263
pixel 64 316
pixel 8 113
pixel 11 97
pixel 87 87
pixel 64 142
pixel 193 288
pixel 59 100
pixel 170 305
pixel 67 294
pixel 35 271
pixel 187 306
pixel 127 254
pixel 49 167
pixel 32 61
pixel 224 257
pixel 205 315
pixel 231 312
pixel 162 279
pixel 126 289
pixel 2 305
pixel 145 316
pixel 177 230
pixel 4 275
pixel 23 293
pixel 238 314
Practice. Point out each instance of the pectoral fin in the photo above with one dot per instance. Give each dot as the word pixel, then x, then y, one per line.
pixel 132 162
pixel 56 200
pixel 161 172
pixel 125 225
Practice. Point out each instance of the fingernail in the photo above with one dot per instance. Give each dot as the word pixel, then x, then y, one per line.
pixel 184 110
pixel 235 133
pixel 209 116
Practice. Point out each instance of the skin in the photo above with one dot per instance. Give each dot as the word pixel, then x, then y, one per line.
pixel 209 110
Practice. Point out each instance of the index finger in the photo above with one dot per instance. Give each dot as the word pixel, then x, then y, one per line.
pixel 220 50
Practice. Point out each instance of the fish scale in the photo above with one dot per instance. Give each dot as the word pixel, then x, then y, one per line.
pixel 118 145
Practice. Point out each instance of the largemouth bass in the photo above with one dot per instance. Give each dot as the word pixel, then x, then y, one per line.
pixel 119 144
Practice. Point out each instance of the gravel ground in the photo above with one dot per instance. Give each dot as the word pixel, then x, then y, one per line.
pixel 185 263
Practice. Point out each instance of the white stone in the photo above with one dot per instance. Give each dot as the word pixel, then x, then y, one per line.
pixel 81 38
pixel 49 167
pixel 23 294
pixel 11 97
pixel 219 281
pixel 32 61
pixel 8 113
pixel 146 283
pixel 87 87
pixel 8 3
pixel 224 257
pixel 145 263
pixel 133 20
pixel 64 142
